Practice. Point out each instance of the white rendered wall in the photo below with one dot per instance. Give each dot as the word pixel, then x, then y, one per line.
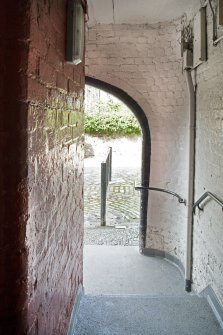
pixel 145 62
pixel 208 225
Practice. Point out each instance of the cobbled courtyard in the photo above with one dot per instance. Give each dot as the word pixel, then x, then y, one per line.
pixel 123 202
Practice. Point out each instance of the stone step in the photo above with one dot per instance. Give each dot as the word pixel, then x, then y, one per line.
pixel 145 315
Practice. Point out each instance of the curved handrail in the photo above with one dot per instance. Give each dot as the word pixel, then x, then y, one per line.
pixel 180 199
pixel 204 196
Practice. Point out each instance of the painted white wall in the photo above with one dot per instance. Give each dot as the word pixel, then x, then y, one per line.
pixel 137 12
pixel 208 225
pixel 145 62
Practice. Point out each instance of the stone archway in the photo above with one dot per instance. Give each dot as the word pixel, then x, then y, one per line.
pixel 146 147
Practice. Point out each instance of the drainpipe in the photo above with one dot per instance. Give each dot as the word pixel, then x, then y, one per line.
pixel 191 166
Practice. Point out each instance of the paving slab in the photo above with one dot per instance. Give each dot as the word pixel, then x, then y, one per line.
pixel 136 315
pixel 123 270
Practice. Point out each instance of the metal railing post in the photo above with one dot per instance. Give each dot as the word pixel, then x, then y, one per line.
pixel 103 193
pixel 110 163
pixel 106 173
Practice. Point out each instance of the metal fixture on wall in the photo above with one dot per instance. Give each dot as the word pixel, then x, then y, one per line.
pixel 75 32
pixel 217 16
pixel 187 46
pixel 191 172
pixel 186 36
pixel 220 12
pixel 200 37
pixel 150 188
pixel 203 197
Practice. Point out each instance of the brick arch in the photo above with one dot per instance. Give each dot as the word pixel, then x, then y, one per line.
pixel 146 146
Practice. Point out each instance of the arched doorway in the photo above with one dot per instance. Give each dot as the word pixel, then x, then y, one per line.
pixel 146 147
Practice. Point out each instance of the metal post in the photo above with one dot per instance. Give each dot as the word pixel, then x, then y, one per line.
pixel 110 163
pixel 106 172
pixel 103 193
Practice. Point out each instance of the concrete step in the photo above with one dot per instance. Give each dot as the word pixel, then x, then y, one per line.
pixel 142 315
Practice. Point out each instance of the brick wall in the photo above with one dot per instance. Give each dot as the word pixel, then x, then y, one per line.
pixel 44 128
pixel 145 62
pixel 14 33
pixel 55 138
pixel 208 225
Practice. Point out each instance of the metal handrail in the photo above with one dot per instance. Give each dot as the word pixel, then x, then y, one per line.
pixel 180 199
pixel 204 196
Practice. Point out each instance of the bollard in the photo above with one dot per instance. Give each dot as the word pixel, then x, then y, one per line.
pixel 103 193
pixel 106 174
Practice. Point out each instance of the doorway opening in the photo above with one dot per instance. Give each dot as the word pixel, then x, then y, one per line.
pixel 145 149
pixel 112 168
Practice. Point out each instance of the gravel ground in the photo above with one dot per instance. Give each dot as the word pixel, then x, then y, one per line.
pixel 111 235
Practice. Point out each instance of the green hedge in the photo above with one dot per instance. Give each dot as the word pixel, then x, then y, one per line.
pixel 109 124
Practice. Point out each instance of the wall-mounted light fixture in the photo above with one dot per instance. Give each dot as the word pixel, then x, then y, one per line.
pixel 217 15
pixel 220 12
pixel 200 37
pixel 75 32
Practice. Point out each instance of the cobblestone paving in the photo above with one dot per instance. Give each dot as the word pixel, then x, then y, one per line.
pixel 122 207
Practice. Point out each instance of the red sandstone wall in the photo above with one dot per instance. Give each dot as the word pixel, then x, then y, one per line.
pixel 14 34
pixel 55 143
pixel 42 185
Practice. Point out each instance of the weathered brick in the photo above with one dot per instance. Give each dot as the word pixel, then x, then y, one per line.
pixel 147 80
pixel 43 231
pixel 156 79
pixel 47 73
pixel 61 80
pixel 208 255
pixel 92 35
pixel 128 68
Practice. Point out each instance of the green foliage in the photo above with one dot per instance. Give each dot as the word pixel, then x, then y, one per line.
pixel 111 119
pixel 111 124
